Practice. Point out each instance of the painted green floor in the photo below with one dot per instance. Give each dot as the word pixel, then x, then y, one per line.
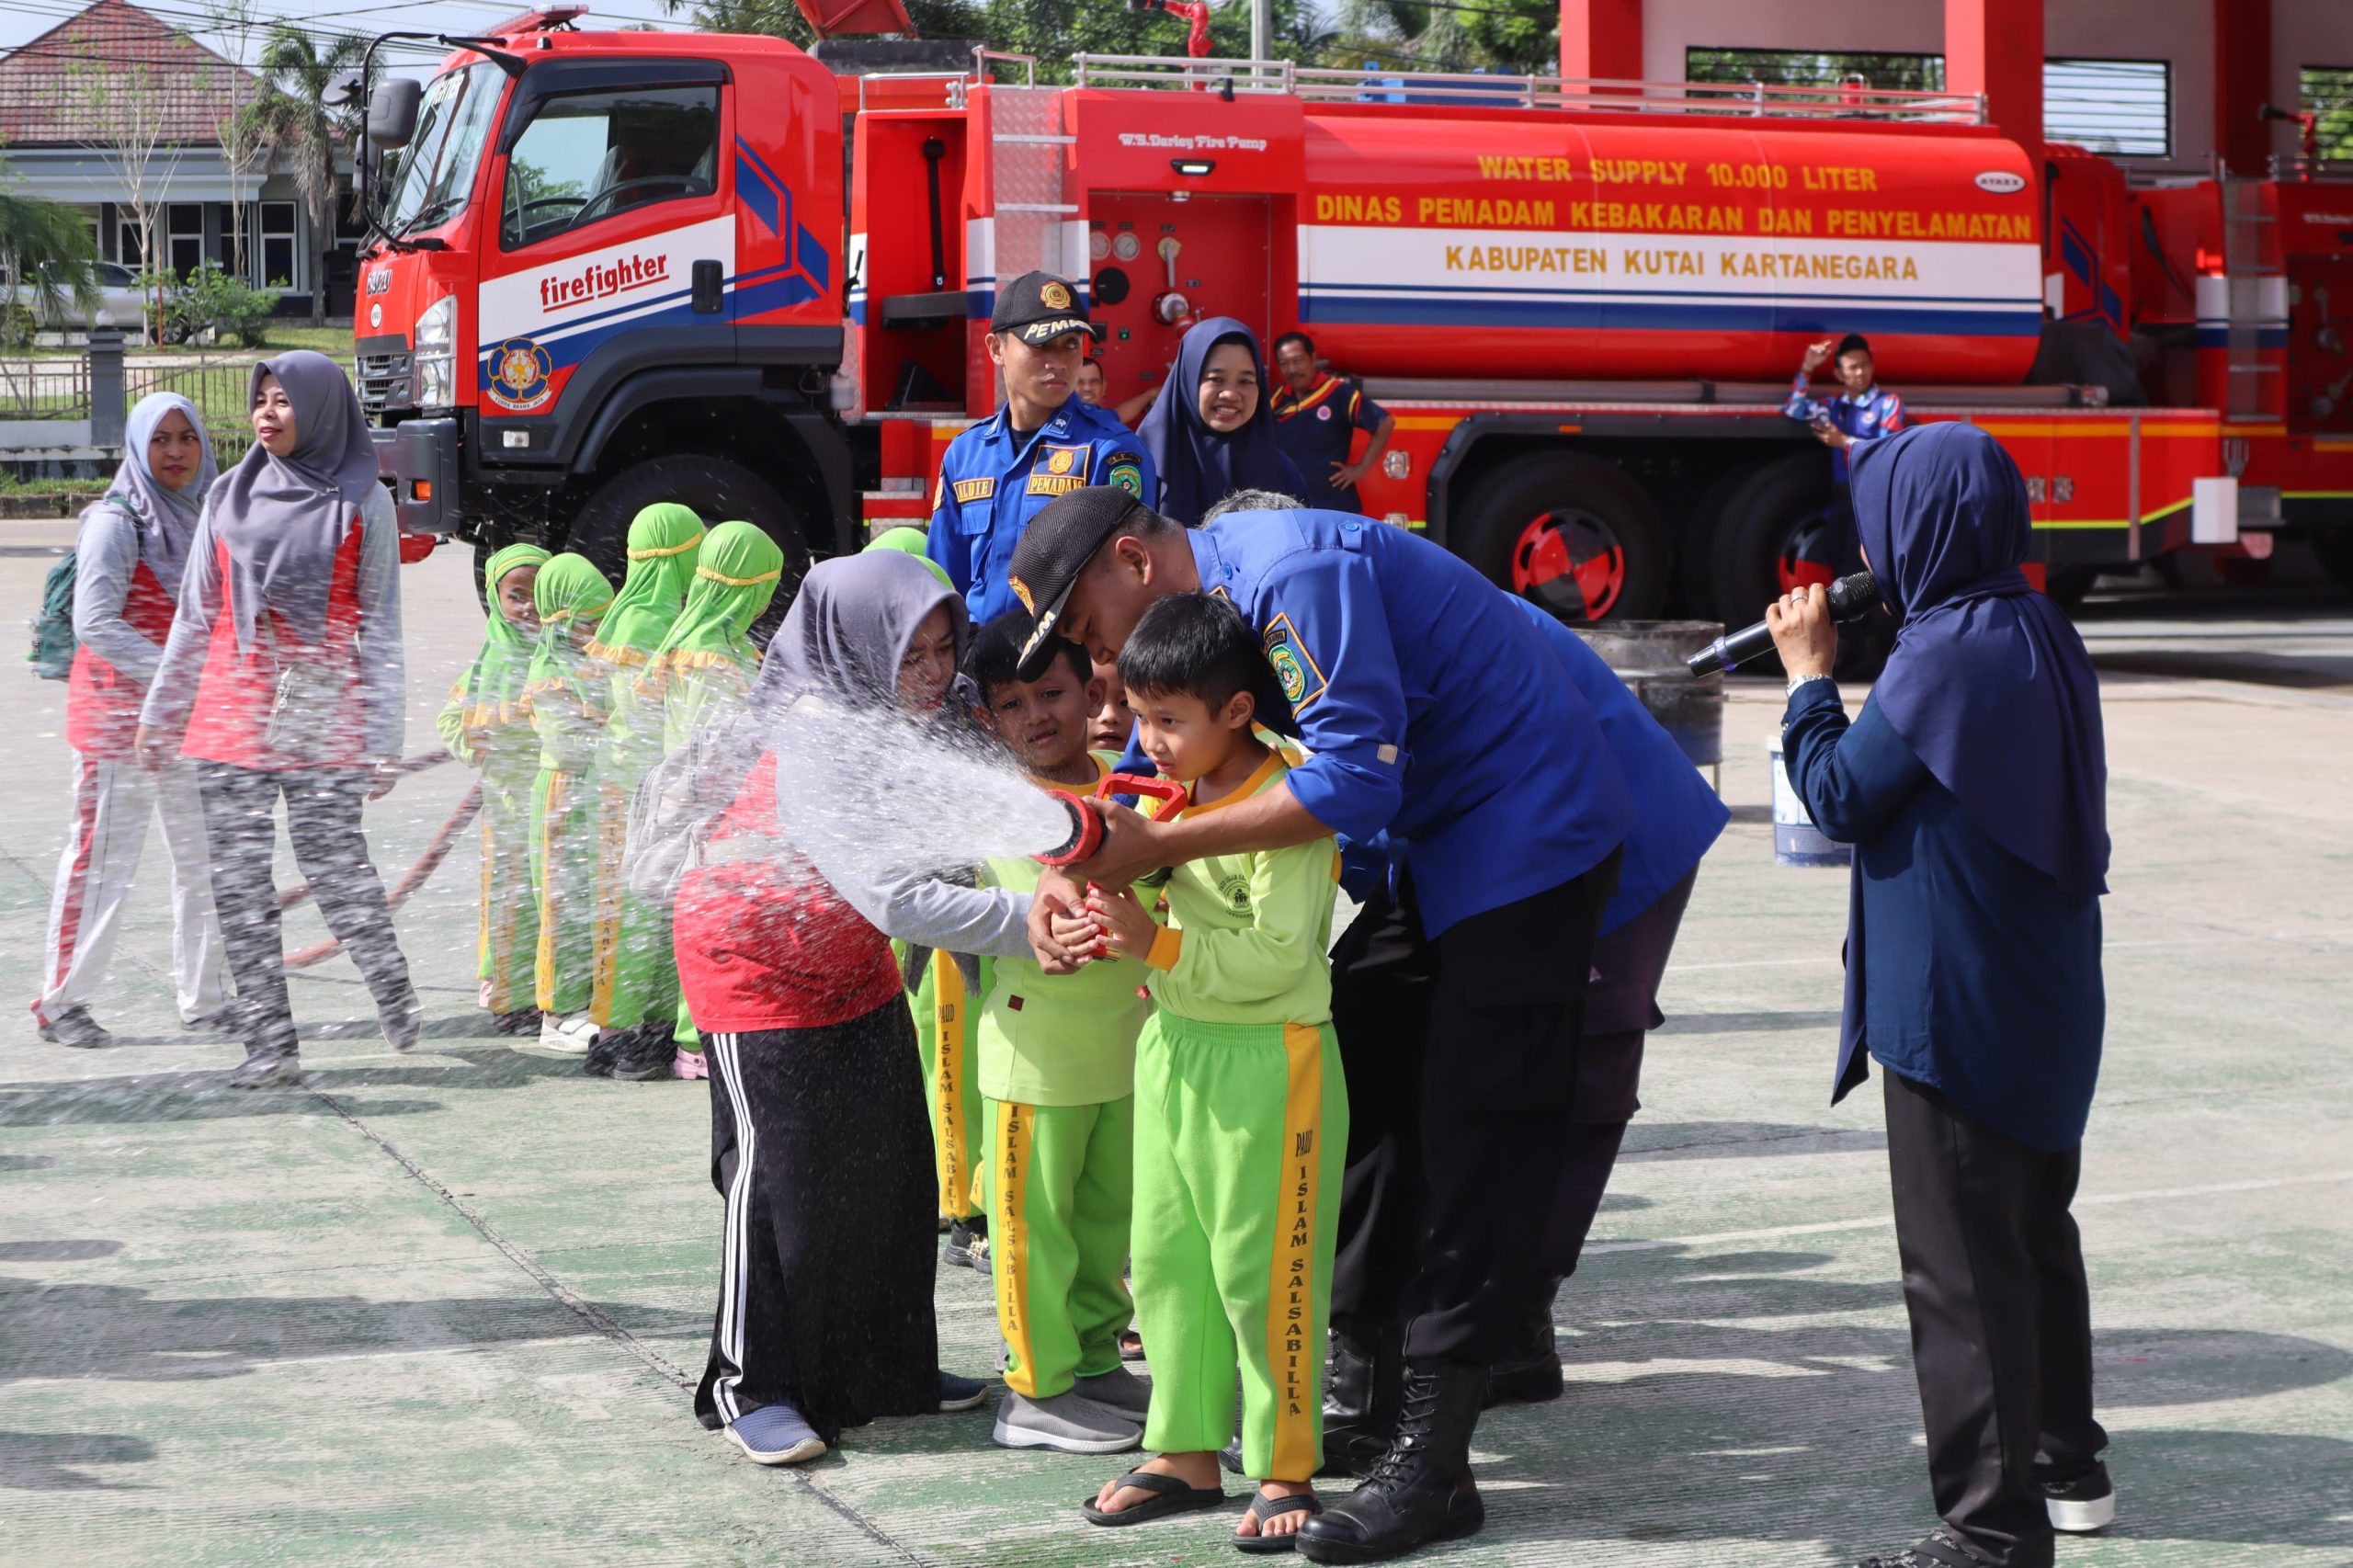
pixel 443 1309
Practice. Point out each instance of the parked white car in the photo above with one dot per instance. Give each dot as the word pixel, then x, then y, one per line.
pixel 115 301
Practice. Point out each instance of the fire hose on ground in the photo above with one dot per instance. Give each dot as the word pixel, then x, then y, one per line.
pixel 413 879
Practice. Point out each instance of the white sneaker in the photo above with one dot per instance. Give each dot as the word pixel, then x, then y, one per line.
pixel 572 1035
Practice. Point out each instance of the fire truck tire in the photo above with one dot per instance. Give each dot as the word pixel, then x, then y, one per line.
pixel 1574 533
pixel 2069 585
pixel 2334 548
pixel 1696 540
pixel 718 488
pixel 1759 515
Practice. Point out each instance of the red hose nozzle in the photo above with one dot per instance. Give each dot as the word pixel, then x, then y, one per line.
pixel 1087 817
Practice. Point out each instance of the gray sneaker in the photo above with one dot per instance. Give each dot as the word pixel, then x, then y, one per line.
pixel 75 1026
pixel 1119 1390
pixel 265 1068
pixel 1069 1421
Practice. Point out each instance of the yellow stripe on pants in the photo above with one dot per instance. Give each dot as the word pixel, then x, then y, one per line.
pixel 551 854
pixel 604 942
pixel 1009 1234
pixel 1296 1363
pixel 950 1139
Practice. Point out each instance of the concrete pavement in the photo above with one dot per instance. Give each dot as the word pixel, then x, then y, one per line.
pixel 442 1309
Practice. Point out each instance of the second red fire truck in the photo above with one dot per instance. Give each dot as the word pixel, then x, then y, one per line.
pixel 615 268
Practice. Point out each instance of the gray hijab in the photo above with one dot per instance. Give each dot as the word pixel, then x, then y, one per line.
pixel 848 628
pixel 167 518
pixel 284 518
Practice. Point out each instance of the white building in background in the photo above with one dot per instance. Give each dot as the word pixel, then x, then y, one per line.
pixel 49 133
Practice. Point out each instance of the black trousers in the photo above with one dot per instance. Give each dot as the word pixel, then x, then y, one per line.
pixel 323 811
pixel 822 1149
pixel 1463 1062
pixel 2001 1317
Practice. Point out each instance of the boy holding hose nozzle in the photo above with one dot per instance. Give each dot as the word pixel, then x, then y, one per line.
pixel 1057 1077
pixel 1242 1119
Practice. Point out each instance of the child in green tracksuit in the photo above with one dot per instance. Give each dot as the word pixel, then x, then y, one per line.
pixel 565 692
pixel 633 980
pixel 486 726
pixel 1242 1120
pixel 706 665
pixel 1056 1071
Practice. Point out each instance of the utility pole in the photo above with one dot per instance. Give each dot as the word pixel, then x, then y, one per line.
pixel 1262 30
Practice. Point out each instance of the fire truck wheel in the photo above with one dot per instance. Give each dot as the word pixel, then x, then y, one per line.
pixel 2334 547
pixel 1695 540
pixel 1575 534
pixel 718 488
pixel 1762 518
pixel 2068 585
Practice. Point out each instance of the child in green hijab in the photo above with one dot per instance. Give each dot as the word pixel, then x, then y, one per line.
pixel 566 694
pixel 634 984
pixel 487 726
pixel 706 665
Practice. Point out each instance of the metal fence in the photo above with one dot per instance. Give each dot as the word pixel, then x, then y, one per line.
pixel 45 389
pixel 218 385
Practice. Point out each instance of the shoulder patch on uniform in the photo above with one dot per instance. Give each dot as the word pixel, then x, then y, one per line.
pixel 1294 666
pixel 939 494
pixel 1125 469
pixel 979 488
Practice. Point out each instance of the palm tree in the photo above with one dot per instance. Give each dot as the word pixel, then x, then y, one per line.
pixel 46 254
pixel 292 122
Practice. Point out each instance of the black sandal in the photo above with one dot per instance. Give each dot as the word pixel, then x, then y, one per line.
pixel 1172 1497
pixel 1262 1509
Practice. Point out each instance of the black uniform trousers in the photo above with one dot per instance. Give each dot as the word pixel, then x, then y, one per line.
pixel 2001 1317
pixel 1462 1058
pixel 820 1145
pixel 323 823
pixel 1620 1009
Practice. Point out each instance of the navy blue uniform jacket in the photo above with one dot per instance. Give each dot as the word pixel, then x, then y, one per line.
pixel 1967 969
pixel 1406 672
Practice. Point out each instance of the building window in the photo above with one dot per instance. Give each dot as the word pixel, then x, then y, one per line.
pixel 126 229
pixel 184 222
pixel 272 244
pixel 2326 92
pixel 2121 107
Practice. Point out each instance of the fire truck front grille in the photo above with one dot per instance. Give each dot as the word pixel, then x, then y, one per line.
pixel 383 381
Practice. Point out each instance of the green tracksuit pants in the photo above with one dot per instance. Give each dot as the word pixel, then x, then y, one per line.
pixel 564 870
pixel 944 1013
pixel 633 969
pixel 1059 1187
pixel 508 952
pixel 1241 1130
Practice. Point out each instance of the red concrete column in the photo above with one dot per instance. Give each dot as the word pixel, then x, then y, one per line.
pixel 2243 83
pixel 1994 46
pixel 1603 39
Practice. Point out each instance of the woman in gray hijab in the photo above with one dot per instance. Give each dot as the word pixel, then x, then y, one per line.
pixel 283 677
pixel 129 558
pixel 820 1143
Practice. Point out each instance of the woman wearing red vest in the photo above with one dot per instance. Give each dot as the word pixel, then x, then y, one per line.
pixel 128 559
pixel 283 676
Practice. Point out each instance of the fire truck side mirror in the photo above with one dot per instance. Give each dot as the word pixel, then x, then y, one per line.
pixel 391 112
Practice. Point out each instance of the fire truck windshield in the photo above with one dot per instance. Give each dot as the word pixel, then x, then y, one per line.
pixel 436 175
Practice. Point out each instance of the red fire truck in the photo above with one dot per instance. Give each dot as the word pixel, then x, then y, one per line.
pixel 620 267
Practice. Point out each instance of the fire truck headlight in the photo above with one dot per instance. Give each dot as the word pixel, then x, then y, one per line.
pixel 433 375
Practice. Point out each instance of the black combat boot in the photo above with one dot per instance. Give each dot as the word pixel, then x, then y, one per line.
pixel 1421 1490
pixel 1360 1401
pixel 1532 1375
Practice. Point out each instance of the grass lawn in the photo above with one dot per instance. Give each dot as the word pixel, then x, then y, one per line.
pixel 287 334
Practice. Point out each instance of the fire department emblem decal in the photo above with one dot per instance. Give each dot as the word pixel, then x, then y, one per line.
pixel 518 375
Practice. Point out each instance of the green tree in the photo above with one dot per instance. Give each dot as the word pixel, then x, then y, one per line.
pixel 46 253
pixel 292 121
pixel 1514 37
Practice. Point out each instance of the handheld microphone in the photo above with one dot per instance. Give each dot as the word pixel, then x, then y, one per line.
pixel 1849 598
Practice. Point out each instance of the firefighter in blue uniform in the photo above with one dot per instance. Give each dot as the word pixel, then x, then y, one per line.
pixel 1043 443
